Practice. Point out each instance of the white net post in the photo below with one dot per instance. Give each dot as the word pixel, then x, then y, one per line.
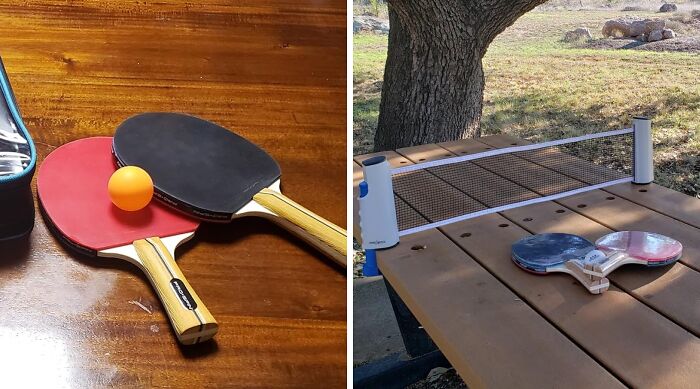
pixel 378 224
pixel 643 151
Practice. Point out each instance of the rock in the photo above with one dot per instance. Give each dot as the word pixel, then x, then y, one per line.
pixel 629 28
pixel 653 25
pixel 630 8
pixel 371 24
pixel 435 374
pixel 622 28
pixel 655 35
pixel 578 34
pixel 668 33
pixel 356 26
pixel 668 7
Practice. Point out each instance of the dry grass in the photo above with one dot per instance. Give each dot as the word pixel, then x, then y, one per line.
pixel 539 88
pixel 620 5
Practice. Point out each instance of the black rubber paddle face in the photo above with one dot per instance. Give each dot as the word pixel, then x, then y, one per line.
pixel 538 252
pixel 197 166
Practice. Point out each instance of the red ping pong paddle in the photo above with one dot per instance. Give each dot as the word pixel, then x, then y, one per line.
pixel 635 247
pixel 72 192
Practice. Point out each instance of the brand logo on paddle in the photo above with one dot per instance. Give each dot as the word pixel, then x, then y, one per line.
pixel 183 294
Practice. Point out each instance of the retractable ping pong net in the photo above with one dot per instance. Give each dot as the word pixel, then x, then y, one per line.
pixel 569 166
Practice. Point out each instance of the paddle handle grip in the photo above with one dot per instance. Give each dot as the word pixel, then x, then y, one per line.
pixel 610 262
pixel 595 285
pixel 333 239
pixel 190 318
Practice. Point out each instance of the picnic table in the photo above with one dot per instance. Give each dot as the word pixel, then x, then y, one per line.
pixel 274 72
pixel 500 326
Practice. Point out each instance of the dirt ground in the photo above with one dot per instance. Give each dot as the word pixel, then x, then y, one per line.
pixel 447 380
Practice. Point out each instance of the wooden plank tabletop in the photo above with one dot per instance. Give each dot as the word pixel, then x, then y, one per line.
pixel 273 71
pixel 484 313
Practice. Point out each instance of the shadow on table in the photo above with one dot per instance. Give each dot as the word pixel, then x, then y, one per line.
pixel 199 350
pixel 13 252
pixel 633 283
pixel 239 229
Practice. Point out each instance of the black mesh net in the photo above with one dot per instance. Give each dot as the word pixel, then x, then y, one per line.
pixel 436 194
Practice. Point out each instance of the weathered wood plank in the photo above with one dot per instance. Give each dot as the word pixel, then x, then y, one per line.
pixel 479 324
pixel 620 214
pixel 663 200
pixel 639 345
pixel 430 273
pixel 642 310
pixel 658 288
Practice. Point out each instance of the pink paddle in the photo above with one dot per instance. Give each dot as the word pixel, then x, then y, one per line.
pixel 626 247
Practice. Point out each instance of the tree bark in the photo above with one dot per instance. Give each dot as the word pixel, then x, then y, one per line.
pixel 433 78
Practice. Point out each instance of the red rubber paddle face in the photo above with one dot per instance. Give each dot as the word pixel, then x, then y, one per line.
pixel 72 191
pixel 643 245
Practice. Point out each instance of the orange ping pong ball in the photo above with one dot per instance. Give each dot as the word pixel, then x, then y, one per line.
pixel 130 188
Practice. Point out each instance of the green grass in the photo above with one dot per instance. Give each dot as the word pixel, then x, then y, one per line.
pixel 539 88
pixel 369 55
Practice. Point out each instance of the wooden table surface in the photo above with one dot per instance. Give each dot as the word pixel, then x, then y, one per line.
pixel 503 327
pixel 273 71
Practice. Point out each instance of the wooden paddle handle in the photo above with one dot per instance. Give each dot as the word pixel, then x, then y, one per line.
pixel 611 262
pixel 191 320
pixel 595 285
pixel 334 237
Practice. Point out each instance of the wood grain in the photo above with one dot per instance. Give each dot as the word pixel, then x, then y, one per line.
pixel 332 240
pixel 479 324
pixel 640 303
pixel 657 288
pixel 609 326
pixel 274 72
pixel 481 329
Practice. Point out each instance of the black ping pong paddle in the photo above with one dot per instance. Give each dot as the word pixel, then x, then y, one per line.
pixel 214 174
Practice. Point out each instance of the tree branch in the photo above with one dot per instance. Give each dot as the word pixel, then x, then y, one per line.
pixel 494 16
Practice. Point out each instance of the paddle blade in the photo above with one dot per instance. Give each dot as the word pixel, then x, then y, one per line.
pixel 72 191
pixel 646 246
pixel 538 252
pixel 197 166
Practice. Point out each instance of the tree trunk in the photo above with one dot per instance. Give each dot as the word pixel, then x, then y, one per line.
pixel 433 78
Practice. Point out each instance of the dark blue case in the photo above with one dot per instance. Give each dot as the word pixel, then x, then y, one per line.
pixel 16 199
